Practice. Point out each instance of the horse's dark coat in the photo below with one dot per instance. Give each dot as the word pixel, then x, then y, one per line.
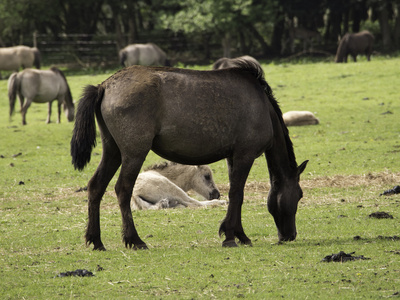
pixel 190 117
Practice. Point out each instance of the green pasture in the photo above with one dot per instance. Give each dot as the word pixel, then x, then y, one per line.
pixel 354 156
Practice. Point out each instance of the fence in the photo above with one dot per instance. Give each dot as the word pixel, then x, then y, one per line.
pixel 86 49
pixel 77 48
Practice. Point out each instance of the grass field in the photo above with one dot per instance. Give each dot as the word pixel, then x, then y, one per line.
pixel 354 156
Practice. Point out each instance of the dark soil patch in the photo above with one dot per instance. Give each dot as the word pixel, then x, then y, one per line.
pixel 395 190
pixel 381 215
pixel 391 238
pixel 78 272
pixel 342 257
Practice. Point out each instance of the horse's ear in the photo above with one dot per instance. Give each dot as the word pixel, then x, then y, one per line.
pixel 301 168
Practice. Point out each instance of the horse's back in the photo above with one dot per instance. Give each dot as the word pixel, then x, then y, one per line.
pixel 195 113
pixel 40 85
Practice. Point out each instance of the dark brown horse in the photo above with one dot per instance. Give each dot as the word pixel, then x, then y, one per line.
pixel 354 44
pixel 190 117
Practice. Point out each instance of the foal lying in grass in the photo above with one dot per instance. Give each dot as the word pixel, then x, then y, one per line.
pixel 165 186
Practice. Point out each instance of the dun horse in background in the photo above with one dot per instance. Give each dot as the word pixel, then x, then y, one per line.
pixel 143 54
pixel 190 117
pixel 354 44
pixel 165 186
pixel 40 87
pixel 13 58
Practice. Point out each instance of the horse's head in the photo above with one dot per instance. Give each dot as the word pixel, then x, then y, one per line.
pixel 204 184
pixel 69 111
pixel 283 199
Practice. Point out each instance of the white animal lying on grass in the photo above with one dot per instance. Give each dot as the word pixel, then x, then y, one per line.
pixel 165 186
pixel 299 118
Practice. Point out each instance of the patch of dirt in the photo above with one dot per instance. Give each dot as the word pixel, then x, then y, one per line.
pixel 78 272
pixel 381 215
pixel 395 190
pixel 339 181
pixel 342 257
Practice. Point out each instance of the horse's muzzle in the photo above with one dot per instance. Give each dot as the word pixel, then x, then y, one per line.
pixel 214 195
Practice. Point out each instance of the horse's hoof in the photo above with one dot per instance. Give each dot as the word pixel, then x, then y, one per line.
pixel 246 243
pixel 101 248
pixel 229 244
pixel 140 247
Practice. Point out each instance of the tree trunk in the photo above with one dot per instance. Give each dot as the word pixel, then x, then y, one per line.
pixel 226 45
pixel 277 34
pixel 383 16
pixel 265 47
pixel 133 33
pixel 396 31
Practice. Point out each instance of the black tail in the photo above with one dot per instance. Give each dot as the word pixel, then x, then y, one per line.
pixel 12 91
pixel 84 134
pixel 122 58
pixel 37 57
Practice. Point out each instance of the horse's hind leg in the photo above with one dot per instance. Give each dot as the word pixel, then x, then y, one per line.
pixel 232 224
pixel 129 171
pixel 109 164
pixel 48 121
pixel 24 110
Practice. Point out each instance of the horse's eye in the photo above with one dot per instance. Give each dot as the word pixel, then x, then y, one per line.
pixel 207 177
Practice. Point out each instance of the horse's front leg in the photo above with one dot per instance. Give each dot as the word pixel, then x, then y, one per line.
pixel 129 171
pixel 231 226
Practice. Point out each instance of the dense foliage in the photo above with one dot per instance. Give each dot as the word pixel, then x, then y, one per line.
pixel 259 27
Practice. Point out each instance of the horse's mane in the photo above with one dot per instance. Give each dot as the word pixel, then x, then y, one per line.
pixel 69 95
pixel 255 69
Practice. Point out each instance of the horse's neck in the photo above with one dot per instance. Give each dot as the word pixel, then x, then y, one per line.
pixel 281 163
pixel 178 175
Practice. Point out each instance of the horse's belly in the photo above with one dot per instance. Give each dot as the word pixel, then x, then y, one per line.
pixel 8 63
pixel 199 146
pixel 45 96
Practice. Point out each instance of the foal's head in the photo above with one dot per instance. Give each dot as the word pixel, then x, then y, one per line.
pixel 204 184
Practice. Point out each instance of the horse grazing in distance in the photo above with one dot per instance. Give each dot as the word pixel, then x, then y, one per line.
pixel 299 118
pixel 189 117
pixel 143 54
pixel 225 62
pixel 40 87
pixel 165 186
pixel 13 58
pixel 354 44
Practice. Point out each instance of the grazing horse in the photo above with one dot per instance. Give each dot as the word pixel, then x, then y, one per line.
pixel 13 58
pixel 190 117
pixel 225 62
pixel 165 186
pixel 299 118
pixel 40 87
pixel 354 44
pixel 143 54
